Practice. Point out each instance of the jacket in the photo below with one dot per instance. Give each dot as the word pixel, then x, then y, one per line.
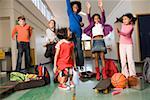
pixel 107 28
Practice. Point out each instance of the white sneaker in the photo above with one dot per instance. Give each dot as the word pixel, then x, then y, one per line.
pixel 63 87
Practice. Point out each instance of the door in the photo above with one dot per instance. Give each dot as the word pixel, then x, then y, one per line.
pixel 144 35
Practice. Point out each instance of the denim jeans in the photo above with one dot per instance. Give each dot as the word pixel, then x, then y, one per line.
pixel 78 50
pixel 23 47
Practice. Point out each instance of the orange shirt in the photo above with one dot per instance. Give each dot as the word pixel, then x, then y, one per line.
pixel 24 33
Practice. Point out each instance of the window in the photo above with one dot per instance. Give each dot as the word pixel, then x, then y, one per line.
pixel 43 8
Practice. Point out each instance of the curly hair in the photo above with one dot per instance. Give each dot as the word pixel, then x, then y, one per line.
pixel 96 15
pixel 78 3
pixel 62 33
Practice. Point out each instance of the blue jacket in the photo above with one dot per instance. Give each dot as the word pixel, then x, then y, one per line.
pixel 74 20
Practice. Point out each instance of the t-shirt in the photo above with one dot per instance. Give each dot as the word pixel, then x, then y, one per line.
pixel 24 33
pixel 51 36
pixel 125 34
pixel 65 59
pixel 97 30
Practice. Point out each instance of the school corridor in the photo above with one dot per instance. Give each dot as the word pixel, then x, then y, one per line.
pixel 83 90
pixel 38 15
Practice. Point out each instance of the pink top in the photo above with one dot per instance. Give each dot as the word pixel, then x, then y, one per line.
pixel 65 54
pixel 126 34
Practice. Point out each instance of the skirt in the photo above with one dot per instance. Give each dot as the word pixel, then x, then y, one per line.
pixel 98 45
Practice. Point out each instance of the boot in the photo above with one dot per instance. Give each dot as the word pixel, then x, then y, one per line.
pixel 104 73
pixel 97 73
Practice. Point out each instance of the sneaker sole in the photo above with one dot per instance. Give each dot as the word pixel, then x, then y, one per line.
pixel 64 88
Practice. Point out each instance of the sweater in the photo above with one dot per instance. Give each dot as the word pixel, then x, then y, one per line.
pixel 125 34
pixel 74 20
pixel 106 28
pixel 24 33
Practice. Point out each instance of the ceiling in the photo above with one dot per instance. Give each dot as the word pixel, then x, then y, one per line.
pixel 58 7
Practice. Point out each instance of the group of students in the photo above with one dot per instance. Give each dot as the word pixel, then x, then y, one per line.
pixel 68 48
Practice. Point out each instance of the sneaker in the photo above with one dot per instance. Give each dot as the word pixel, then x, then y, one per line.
pixel 81 68
pixel 72 84
pixel 63 87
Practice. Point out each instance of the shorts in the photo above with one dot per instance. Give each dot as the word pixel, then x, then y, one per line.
pixel 98 45
pixel 66 72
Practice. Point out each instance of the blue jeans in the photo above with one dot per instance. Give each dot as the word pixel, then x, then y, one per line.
pixel 23 47
pixel 78 50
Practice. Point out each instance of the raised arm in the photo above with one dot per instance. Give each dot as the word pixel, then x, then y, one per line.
pixel 100 5
pixel 88 7
pixel 69 9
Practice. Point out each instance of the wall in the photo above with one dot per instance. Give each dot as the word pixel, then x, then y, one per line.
pixel 5 22
pixel 15 8
pixel 5 39
pixel 139 7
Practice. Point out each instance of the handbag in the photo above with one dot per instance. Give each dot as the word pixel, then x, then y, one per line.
pixel 50 50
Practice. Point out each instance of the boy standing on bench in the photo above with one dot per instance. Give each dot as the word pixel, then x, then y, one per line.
pixel 23 39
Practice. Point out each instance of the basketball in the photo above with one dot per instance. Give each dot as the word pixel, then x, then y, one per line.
pixel 118 80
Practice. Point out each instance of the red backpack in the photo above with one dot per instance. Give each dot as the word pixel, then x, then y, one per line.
pixel 110 68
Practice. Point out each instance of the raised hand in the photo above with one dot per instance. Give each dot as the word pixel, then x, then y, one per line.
pixel 88 6
pixel 100 4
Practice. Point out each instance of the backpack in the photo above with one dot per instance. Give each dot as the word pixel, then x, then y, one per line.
pixel 17 76
pixel 42 71
pixel 110 68
pixel 50 51
pixel 146 69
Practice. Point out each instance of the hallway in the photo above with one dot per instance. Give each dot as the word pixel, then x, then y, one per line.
pixel 38 15
pixel 82 91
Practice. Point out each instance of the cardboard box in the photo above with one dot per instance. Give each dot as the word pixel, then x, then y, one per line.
pixel 141 84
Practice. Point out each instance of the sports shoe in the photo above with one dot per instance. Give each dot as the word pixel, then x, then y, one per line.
pixel 63 87
pixel 81 68
pixel 72 84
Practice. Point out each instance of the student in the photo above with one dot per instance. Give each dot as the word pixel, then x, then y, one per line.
pixel 64 60
pixel 75 22
pixel 126 44
pixel 23 38
pixel 97 29
pixel 51 40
